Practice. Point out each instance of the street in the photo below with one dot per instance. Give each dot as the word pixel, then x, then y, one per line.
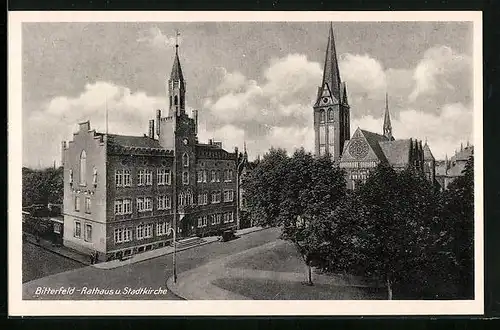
pixel 150 274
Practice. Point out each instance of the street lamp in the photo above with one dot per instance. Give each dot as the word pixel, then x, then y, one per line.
pixel 174 230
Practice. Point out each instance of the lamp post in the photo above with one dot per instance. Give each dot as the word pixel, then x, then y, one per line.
pixel 171 229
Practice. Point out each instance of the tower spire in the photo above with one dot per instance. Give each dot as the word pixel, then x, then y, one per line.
pixel 331 74
pixel 176 83
pixel 387 120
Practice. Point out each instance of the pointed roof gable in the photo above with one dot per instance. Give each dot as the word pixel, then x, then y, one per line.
pixel 331 73
pixel 427 153
pixel 372 139
pixel 387 128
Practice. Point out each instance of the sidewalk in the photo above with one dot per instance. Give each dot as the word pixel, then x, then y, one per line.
pixel 165 251
pixel 60 250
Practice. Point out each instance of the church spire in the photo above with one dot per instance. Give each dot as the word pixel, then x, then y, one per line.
pixel 387 120
pixel 176 84
pixel 331 73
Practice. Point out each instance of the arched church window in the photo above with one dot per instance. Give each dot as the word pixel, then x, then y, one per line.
pixel 322 116
pixel 83 168
pixel 185 160
pixel 330 114
pixel 176 100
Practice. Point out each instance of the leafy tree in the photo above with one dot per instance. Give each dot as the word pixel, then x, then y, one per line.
pixel 42 186
pixel 458 226
pixel 263 188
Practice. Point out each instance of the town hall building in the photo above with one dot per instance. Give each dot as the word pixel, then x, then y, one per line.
pixel 123 194
pixel 364 150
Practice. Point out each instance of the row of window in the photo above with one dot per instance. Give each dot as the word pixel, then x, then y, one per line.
pixel 123 177
pixel 88 204
pixel 215 219
pixel 215 176
pixel 142 231
pixel 77 231
pixel 164 202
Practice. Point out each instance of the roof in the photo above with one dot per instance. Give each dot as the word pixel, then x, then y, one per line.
pixel 464 154
pixel 427 153
pixel 374 141
pixel 397 152
pixel 133 141
pixel 176 74
pixel 331 73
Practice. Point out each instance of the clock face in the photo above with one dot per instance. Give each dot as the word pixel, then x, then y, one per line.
pixel 185 141
pixel 358 149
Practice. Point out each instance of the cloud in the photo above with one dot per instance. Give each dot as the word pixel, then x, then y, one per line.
pixel 441 70
pixel 155 38
pixel 128 113
pixel 363 75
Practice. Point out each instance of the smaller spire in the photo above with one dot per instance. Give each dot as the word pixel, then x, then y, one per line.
pixel 387 119
pixel 461 146
pixel 468 143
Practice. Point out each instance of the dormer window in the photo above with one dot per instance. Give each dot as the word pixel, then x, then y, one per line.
pixel 83 168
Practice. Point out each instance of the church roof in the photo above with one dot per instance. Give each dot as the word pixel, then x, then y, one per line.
pixel 427 153
pixel 374 141
pixel 397 152
pixel 133 141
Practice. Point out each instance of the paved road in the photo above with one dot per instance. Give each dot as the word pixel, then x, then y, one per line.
pixel 150 274
pixel 39 262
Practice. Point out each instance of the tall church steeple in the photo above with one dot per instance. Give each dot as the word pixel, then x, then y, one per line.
pixel 176 85
pixel 387 120
pixel 331 109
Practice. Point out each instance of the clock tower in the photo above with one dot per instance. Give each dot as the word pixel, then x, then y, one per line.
pixel 331 109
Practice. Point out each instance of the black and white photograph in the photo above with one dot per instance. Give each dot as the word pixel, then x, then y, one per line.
pixel 188 164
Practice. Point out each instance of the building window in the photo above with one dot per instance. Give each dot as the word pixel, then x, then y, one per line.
pixel 140 177
pixel 57 228
pixel 228 195
pixel 162 228
pixel 83 168
pixel 127 206
pixel 228 175
pixel 127 179
pixel 144 231
pixel 164 203
pixel 118 207
pixel 213 176
pixel 182 199
pixel 202 221
pixel 77 203
pixel 218 218
pixel 88 232
pixel 144 204
pixel 200 199
pixel 88 204
pixel 185 177
pixel 216 196
pixel 322 116
pixel 185 160
pixel 204 176
pixel 77 230
pixel 330 114
pixel 119 178
pixel 140 204
pixel 70 177
pixel 148 177
pixel 94 177
pixel 123 235
pixel 212 219
pixel 217 176
pixel 163 175
pixel 200 176
pixel 228 217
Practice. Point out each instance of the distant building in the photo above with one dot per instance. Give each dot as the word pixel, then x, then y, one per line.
pixel 449 170
pixel 363 151
pixel 122 193
pixel 244 169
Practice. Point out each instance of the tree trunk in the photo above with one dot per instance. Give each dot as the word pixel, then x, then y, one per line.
pixel 389 288
pixel 309 275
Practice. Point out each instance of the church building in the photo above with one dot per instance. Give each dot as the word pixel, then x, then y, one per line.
pixel 364 150
pixel 128 194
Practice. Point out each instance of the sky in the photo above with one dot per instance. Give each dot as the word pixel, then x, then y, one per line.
pixel 253 82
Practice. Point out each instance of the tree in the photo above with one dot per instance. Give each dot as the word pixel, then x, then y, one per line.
pixel 263 188
pixel 42 186
pixel 458 225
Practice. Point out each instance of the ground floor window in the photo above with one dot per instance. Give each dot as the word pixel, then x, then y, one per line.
pixel 162 228
pixel 88 232
pixel 122 235
pixel 144 231
pixel 77 230
pixel 57 228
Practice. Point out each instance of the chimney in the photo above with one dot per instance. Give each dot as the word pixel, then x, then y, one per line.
pixel 210 141
pixel 195 117
pixel 158 117
pixel 151 131
pixel 63 149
